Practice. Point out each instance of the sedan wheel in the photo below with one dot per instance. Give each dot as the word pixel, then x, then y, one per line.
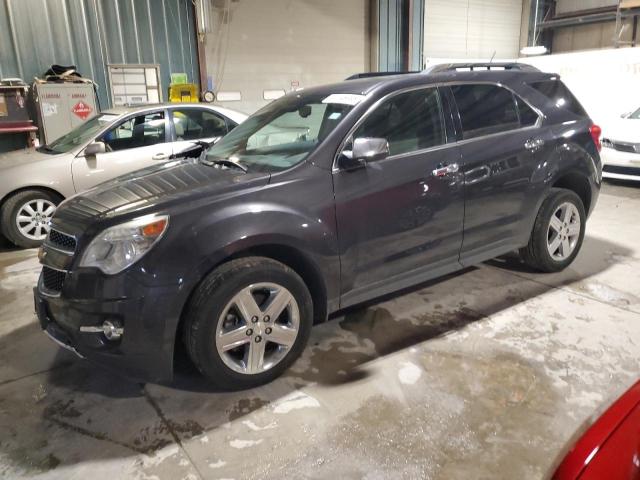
pixel 34 217
pixel 26 216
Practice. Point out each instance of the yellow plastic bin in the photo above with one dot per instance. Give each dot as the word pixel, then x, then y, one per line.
pixel 183 92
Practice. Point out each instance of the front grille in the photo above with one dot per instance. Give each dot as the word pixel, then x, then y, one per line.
pixel 620 146
pixel 62 240
pixel 52 279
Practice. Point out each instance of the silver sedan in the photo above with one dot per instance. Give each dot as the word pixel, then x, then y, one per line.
pixel 115 142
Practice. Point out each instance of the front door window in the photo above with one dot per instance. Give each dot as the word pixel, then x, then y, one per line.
pixel 140 131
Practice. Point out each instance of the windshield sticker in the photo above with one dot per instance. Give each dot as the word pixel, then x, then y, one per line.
pixel 335 115
pixel 344 98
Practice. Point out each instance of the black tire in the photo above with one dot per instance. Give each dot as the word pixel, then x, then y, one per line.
pixel 536 254
pixel 210 299
pixel 10 210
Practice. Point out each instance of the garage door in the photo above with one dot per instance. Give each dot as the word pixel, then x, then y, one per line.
pixel 472 28
pixel 257 48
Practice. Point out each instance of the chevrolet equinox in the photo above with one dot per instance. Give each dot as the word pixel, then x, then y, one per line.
pixel 325 198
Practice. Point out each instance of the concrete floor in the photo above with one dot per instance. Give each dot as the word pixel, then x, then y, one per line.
pixel 486 374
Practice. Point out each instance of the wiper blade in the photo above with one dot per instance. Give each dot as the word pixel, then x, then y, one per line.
pixel 226 162
pixel 196 150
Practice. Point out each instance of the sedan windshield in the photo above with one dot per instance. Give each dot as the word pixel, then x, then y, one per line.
pixel 79 135
pixel 283 133
pixel 635 115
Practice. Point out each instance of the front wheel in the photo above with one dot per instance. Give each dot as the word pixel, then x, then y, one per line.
pixel 247 322
pixel 558 232
pixel 26 216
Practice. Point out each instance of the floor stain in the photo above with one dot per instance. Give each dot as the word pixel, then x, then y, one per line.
pixel 390 334
pixel 62 409
pixel 245 406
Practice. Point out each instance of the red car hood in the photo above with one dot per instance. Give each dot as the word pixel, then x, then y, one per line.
pixel 610 448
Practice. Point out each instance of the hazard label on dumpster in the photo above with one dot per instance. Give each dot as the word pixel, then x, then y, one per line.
pixel 82 110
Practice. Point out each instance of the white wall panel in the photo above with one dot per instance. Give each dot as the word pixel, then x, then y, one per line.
pixel 267 45
pixel 472 28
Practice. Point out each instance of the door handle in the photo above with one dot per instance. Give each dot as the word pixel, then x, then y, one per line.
pixel 443 171
pixel 534 144
pixel 160 156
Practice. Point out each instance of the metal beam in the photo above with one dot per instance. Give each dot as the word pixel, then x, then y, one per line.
pixel 584 18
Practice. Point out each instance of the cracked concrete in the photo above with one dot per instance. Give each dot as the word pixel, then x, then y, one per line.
pixel 489 373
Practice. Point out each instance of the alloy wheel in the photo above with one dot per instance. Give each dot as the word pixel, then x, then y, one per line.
pixel 257 328
pixel 563 232
pixel 33 218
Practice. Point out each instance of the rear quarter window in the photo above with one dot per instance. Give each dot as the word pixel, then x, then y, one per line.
pixel 560 95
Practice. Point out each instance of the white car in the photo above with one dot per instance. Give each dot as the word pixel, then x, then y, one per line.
pixel 621 148
pixel 115 142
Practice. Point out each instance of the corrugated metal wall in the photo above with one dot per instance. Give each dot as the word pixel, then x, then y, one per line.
pixel 91 34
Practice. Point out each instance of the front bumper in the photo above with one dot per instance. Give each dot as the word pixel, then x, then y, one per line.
pixel 622 165
pixel 143 353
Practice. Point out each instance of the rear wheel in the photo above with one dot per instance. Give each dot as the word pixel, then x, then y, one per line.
pixel 247 322
pixel 26 216
pixel 557 233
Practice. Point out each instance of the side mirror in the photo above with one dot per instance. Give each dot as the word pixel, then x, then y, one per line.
pixel 94 148
pixel 364 150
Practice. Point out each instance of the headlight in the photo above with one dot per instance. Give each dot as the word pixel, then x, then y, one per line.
pixel 119 247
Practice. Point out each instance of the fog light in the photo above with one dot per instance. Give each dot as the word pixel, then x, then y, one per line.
pixel 108 328
pixel 111 331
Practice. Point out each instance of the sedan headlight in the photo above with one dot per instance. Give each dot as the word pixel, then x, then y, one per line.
pixel 120 246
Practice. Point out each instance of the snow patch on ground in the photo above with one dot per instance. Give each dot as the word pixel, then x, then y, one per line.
pixel 295 401
pixel 256 428
pixel 409 373
pixel 244 443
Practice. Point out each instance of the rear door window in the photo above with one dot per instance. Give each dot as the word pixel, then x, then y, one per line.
pixel 556 91
pixel 196 123
pixel 409 121
pixel 485 109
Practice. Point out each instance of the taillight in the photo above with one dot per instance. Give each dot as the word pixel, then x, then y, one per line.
pixel 595 132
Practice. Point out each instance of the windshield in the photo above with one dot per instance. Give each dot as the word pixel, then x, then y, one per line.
pixel 283 133
pixel 635 115
pixel 79 135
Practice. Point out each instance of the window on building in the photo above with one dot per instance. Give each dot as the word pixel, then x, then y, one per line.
pixel 134 84
pixel 409 121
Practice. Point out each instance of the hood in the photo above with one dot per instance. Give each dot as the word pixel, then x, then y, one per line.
pixel 623 130
pixel 156 188
pixel 24 156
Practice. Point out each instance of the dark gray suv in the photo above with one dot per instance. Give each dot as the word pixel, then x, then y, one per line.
pixel 325 198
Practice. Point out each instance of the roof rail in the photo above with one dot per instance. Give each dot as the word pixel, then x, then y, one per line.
pixel 447 67
pixel 376 74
